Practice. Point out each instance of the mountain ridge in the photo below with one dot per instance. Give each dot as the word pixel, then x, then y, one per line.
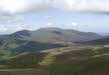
pixel 42 39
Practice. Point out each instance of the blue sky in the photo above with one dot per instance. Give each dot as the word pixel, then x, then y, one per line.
pixel 68 14
pixel 60 18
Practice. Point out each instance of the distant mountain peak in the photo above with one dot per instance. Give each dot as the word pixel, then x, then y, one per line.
pixel 21 33
pixel 50 29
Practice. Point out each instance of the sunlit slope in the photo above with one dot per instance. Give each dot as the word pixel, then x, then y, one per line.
pixel 88 60
pixel 42 39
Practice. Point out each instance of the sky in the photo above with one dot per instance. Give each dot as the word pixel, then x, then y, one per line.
pixel 83 15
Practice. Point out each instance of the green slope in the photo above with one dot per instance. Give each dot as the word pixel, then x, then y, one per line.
pixel 56 35
pixel 55 51
pixel 84 60
pixel 42 39
pixel 23 72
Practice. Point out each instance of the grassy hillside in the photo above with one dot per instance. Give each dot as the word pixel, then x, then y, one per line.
pixel 53 51
pixel 102 41
pixel 23 72
pixel 84 60
pixel 56 35
pixel 42 39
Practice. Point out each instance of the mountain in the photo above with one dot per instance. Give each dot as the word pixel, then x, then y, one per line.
pixel 42 39
pixel 20 33
pixel 54 51
pixel 54 35
pixel 60 35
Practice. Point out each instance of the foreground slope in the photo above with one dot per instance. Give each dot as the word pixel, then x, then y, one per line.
pixel 84 60
pixel 23 72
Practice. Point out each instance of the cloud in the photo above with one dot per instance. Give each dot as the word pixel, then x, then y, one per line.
pixel 18 7
pixel 49 24
pixel 89 6
pixel 48 17
pixel 28 6
pixel 11 18
pixel 74 24
pixel 8 28
pixel 13 28
pixel 3 29
pixel 10 9
pixel 23 6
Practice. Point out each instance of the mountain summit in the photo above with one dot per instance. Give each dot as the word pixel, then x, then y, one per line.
pixel 42 39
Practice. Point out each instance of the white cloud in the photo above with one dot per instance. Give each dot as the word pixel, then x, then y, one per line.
pixel 3 29
pixel 7 28
pixel 49 24
pixel 74 24
pixel 48 17
pixel 11 18
pixel 93 6
pixel 28 6
pixel 12 8
pixel 23 6
pixel 14 28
